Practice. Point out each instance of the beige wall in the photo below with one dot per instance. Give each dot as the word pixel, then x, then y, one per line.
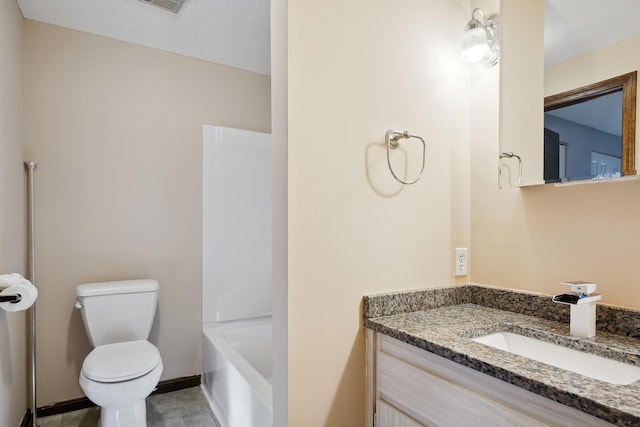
pixel 535 237
pixel 13 328
pixel 356 69
pixel 117 130
pixel 521 81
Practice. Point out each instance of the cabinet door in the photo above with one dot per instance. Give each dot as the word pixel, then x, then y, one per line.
pixel 438 392
pixel 432 399
pixel 388 416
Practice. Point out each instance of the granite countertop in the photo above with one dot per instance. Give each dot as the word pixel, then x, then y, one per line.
pixel 446 331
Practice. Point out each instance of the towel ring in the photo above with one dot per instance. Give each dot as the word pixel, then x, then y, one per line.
pixel 509 155
pixel 392 140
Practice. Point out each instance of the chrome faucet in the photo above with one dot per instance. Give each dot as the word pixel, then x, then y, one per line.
pixel 583 308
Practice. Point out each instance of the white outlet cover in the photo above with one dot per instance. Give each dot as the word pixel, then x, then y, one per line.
pixel 461 261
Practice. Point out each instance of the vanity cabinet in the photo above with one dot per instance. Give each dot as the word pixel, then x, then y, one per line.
pixel 389 416
pixel 410 387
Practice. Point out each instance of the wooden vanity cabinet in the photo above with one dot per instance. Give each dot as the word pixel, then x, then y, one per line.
pixel 410 387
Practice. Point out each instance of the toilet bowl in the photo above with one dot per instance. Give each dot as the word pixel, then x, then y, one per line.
pixel 123 368
pixel 118 378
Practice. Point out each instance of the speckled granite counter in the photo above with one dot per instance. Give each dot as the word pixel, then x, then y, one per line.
pixel 442 320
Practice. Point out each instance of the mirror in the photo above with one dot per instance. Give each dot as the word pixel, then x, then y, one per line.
pixel 580 43
pixel 589 132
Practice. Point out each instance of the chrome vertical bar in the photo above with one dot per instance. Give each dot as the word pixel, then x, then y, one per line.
pixel 31 259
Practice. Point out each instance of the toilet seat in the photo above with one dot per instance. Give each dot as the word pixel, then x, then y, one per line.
pixel 122 361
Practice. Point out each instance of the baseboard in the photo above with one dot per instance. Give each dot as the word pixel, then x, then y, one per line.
pixel 65 406
pixel 27 419
pixel 83 403
pixel 176 384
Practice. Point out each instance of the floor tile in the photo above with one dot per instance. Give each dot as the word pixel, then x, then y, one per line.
pixel 182 408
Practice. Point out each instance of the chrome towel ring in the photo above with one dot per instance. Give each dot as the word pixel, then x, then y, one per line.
pixel 393 139
pixel 510 155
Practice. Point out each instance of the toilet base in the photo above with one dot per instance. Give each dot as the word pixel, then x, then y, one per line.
pixel 122 404
pixel 130 416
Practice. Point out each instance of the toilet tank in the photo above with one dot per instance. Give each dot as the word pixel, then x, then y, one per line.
pixel 118 311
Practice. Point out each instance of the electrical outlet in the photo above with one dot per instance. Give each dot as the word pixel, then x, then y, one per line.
pixel 461 261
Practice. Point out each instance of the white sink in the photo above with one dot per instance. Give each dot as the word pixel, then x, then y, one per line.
pixel 590 365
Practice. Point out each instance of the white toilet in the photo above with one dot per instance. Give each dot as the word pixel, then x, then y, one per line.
pixel 123 368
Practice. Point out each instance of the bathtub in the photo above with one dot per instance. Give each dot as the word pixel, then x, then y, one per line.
pixel 237 372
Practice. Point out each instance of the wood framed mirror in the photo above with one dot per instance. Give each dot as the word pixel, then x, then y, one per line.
pixel 599 145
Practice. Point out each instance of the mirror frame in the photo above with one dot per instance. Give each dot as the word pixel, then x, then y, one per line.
pixel 628 83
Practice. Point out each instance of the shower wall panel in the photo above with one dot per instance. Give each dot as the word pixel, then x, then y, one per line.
pixel 236 224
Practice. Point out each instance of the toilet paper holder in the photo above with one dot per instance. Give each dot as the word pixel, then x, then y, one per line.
pixel 11 298
pixel 16 292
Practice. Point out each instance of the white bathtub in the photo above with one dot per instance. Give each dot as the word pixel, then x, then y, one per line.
pixel 237 372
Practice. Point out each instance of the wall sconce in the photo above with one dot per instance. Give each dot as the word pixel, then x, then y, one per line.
pixel 480 39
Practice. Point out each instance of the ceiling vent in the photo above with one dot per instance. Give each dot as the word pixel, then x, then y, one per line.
pixel 170 5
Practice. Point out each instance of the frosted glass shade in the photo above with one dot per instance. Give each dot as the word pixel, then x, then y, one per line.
pixel 474 45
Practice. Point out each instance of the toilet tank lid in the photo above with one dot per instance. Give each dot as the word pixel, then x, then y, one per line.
pixel 117 287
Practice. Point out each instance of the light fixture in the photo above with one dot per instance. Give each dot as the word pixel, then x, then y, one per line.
pixel 480 39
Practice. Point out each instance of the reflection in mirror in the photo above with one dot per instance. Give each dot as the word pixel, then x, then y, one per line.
pixel 589 132
pixel 587 41
pixel 584 41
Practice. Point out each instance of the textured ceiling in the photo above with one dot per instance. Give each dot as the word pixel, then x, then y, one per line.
pixel 576 27
pixel 228 32
pixel 236 32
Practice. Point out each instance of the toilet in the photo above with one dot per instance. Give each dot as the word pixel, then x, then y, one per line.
pixel 123 368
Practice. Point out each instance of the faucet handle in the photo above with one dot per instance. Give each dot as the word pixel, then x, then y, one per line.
pixel 580 287
pixel 566 299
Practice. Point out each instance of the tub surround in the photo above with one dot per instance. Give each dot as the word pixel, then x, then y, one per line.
pixel 238 371
pixel 442 320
